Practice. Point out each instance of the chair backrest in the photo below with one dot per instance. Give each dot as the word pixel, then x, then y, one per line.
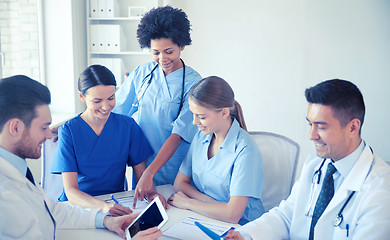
pixel 280 155
pixel 51 183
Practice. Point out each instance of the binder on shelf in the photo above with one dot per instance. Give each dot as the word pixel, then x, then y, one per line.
pixel 93 11
pixel 101 37
pixel 112 9
pixel 93 44
pixel 116 38
pixel 102 8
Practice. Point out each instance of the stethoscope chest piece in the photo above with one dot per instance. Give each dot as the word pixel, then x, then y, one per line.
pixel 338 220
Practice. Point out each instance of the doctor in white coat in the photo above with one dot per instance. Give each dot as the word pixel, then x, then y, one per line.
pixel 25 210
pixel 360 207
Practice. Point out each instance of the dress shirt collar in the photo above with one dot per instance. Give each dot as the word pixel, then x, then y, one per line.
pixel 345 164
pixel 19 163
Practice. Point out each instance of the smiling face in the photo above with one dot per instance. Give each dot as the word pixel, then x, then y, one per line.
pixel 166 54
pixel 30 144
pixel 331 140
pixel 100 101
pixel 209 121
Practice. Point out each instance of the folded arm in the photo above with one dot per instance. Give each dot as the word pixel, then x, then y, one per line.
pixel 188 197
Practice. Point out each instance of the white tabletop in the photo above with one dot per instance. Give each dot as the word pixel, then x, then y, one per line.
pixel 175 215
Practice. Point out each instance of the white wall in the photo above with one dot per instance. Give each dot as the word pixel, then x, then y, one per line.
pixel 270 51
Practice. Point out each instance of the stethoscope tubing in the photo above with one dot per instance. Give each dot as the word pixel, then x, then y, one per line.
pixel 137 100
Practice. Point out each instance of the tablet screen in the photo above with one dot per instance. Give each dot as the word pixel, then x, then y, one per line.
pixel 150 218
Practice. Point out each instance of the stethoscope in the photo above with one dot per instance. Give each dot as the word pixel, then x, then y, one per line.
pixel 314 187
pixel 150 76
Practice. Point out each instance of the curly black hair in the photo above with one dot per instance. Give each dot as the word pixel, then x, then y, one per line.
pixel 164 22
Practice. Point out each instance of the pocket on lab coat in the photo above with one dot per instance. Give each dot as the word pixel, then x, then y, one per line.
pixel 341 232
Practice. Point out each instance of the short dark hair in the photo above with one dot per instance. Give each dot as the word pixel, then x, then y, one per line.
pixel 19 97
pixel 342 96
pixel 95 75
pixel 164 22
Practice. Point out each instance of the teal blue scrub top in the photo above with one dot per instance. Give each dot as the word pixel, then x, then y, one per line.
pixel 100 161
pixel 157 111
pixel 236 170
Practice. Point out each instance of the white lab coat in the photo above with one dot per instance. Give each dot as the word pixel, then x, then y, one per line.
pixel 367 213
pixel 22 211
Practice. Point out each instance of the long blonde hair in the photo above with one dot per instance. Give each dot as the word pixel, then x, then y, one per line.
pixel 215 93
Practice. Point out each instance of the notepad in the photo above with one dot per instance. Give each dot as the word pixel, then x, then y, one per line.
pixel 187 230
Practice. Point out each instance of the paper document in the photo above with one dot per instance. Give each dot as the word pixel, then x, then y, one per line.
pixel 187 230
pixel 128 202
pixel 125 199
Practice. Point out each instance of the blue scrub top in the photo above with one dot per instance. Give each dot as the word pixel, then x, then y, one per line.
pixel 157 111
pixel 237 170
pixel 100 161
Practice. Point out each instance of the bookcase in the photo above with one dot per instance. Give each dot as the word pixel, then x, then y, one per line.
pixel 111 34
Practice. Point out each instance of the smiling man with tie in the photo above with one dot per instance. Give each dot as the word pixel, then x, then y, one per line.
pixel 25 210
pixel 344 192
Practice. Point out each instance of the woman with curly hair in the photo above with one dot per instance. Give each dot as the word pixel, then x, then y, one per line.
pixel 158 92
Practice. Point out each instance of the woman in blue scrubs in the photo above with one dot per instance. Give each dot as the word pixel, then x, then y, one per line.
pixel 222 174
pixel 95 147
pixel 158 92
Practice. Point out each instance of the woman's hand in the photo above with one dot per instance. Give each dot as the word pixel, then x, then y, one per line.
pixel 234 235
pixel 54 131
pixel 144 187
pixel 116 209
pixel 154 194
pixel 179 200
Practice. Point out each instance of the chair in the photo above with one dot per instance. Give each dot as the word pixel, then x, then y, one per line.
pixel 51 183
pixel 280 156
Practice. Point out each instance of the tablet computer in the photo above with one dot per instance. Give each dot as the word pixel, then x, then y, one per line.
pixel 154 215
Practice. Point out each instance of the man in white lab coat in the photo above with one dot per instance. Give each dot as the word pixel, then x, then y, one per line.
pixel 25 210
pixel 360 206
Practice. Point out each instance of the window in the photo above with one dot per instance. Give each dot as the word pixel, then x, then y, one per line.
pixel 19 43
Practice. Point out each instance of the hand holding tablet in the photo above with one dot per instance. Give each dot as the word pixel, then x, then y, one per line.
pixel 154 215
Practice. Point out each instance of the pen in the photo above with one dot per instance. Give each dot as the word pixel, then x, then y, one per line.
pixel 347 227
pixel 209 233
pixel 114 199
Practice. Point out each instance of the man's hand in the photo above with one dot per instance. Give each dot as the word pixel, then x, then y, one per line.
pixel 149 234
pixel 119 224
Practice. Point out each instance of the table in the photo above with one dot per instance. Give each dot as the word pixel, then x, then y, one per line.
pixel 175 215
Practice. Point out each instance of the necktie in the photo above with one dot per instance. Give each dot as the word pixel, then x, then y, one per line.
pixel 29 176
pixel 326 194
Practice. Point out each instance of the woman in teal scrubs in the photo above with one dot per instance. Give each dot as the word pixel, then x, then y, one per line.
pixel 222 175
pixel 95 147
pixel 158 92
